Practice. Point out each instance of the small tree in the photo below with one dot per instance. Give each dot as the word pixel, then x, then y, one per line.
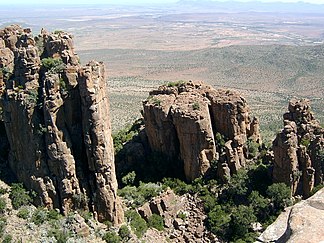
pixel 280 195
pixel 218 221
pixel 156 221
pixel 19 196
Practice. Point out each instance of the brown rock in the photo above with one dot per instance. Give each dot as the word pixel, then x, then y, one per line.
pixel 181 121
pixel 194 130
pixel 299 149
pixel 57 124
pixel 300 223
pixel 98 141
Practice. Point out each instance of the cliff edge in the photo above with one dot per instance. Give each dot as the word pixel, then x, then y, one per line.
pixel 56 118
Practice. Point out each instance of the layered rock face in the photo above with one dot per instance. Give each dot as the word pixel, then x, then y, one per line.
pixel 182 120
pixel 299 150
pixel 56 118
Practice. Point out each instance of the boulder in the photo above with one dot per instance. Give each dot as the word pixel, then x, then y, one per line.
pixel 299 223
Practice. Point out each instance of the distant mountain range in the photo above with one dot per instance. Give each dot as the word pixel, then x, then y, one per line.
pixel 231 6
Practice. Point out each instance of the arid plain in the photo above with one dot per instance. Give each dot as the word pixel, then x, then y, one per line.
pixel 269 56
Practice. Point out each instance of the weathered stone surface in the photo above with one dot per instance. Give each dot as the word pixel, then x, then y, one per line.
pixel 299 149
pixel 98 141
pixel 57 124
pixel 195 134
pixel 299 223
pixel 181 121
pixel 188 227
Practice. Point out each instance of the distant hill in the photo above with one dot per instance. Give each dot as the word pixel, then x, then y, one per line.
pixel 236 6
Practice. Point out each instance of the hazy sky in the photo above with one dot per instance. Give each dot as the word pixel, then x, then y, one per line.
pixel 131 1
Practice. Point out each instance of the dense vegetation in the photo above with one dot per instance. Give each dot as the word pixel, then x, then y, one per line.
pixel 235 209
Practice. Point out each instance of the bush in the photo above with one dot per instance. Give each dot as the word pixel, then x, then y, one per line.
pixel 259 204
pixel 3 205
pixel 23 213
pixel 129 179
pixel 54 65
pixel 19 196
pixel 111 237
pixel 280 195
pixel 253 148
pixel 137 224
pixel 3 191
pixel 177 185
pixel 195 106
pixel 3 223
pixel 60 235
pixel 218 221
pixel 53 214
pixel 156 221
pixel 39 216
pixel 137 196
pixel 176 83
pixel 7 239
pixel 124 232
pixel 241 221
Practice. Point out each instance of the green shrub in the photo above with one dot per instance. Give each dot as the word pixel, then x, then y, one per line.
pixel 124 232
pixel 156 221
pixel 177 185
pixel 7 239
pixel 125 135
pixel 23 213
pixel 53 214
pixel 3 191
pixel 54 65
pixel 176 83
pixel 218 221
pixel 141 194
pixel 156 101
pixel 316 189
pixel 3 223
pixel 182 215
pixel 3 205
pixel 253 148
pixel 19 196
pixel 137 224
pixel 61 235
pixel 129 179
pixel 39 216
pixel 280 195
pixel 195 106
pixel 111 237
pixel 241 221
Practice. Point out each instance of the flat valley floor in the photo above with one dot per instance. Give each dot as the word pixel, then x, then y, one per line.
pixel 268 56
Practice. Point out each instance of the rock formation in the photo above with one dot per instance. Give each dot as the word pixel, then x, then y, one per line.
pixel 302 223
pixel 182 120
pixel 56 118
pixel 299 150
pixel 182 215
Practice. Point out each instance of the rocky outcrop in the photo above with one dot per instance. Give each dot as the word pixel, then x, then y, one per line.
pixel 299 150
pixel 299 223
pixel 183 217
pixel 56 118
pixel 184 120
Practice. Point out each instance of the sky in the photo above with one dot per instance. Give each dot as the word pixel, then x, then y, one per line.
pixel 131 1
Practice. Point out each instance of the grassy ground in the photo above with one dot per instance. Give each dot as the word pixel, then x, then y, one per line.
pixel 268 76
